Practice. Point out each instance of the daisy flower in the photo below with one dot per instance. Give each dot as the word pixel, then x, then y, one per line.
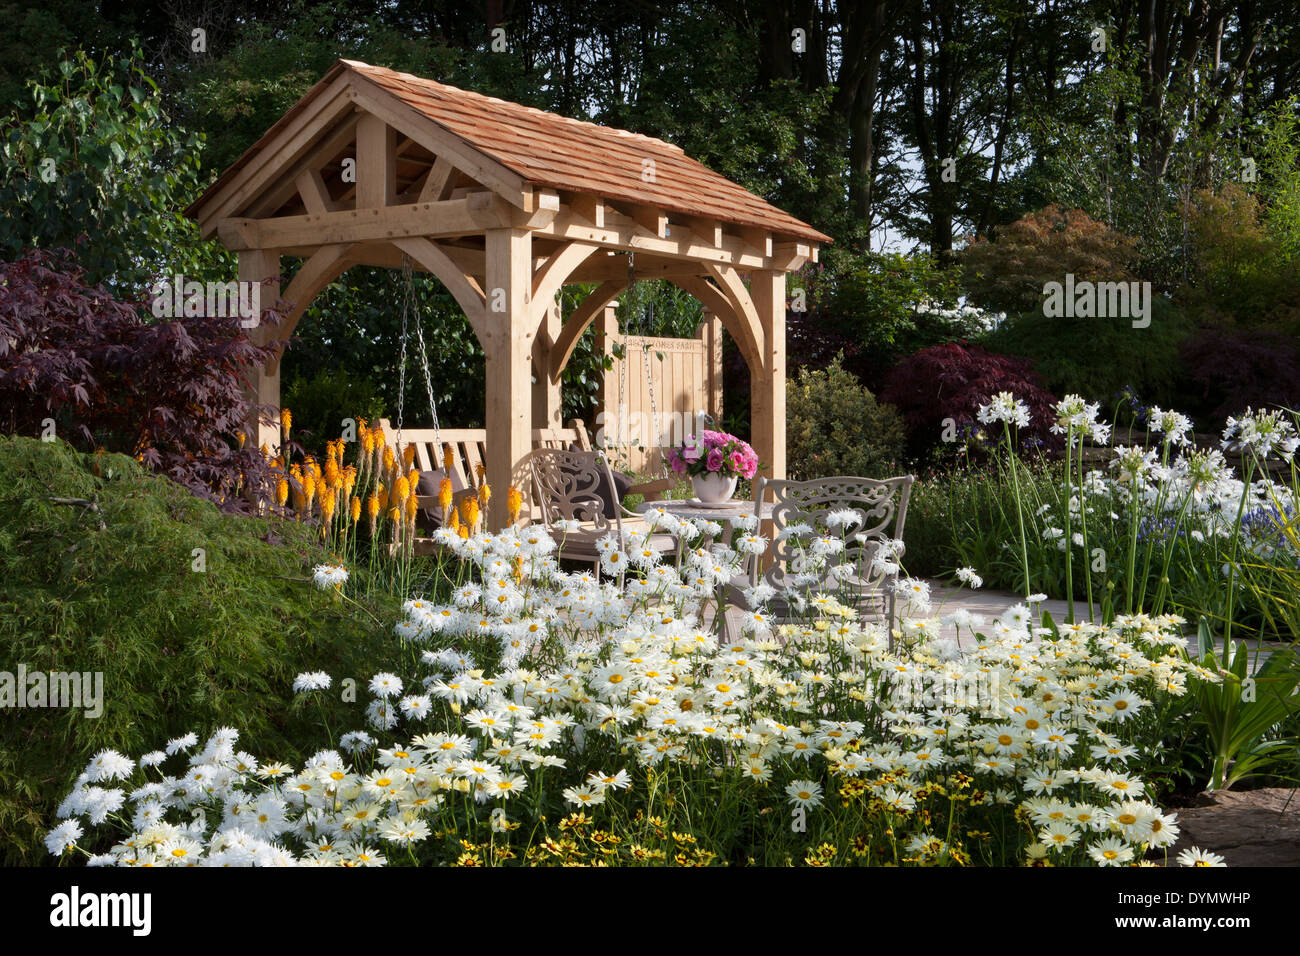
pixel 1195 856
pixel 804 793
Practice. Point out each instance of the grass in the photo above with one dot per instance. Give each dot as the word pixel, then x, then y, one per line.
pixel 116 590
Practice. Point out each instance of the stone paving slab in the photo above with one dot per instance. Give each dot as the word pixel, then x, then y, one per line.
pixel 988 603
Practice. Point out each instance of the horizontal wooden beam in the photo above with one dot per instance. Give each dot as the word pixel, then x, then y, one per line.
pixel 600 268
pixel 789 256
pixel 472 215
pixel 621 232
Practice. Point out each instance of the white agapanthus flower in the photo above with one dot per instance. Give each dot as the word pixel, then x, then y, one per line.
pixel 1004 407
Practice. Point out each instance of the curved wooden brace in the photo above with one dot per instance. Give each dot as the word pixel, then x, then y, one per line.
pixel 721 305
pixel 550 277
pixel 582 317
pixel 746 313
pixel 325 265
pixel 468 294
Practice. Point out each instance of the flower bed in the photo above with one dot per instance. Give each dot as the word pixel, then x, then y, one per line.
pixel 551 718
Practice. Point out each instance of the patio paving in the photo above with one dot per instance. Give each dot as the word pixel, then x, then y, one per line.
pixel 988 603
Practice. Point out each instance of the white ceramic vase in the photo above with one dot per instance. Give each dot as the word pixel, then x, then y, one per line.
pixel 713 487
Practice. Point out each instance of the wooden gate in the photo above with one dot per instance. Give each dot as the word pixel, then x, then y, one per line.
pixel 660 391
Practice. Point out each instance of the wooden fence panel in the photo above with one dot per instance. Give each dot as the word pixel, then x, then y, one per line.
pixel 658 393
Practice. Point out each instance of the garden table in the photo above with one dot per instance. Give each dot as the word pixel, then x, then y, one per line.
pixel 684 508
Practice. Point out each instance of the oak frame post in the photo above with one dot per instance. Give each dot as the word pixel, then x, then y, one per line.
pixel 508 348
pixel 258 265
pixel 767 383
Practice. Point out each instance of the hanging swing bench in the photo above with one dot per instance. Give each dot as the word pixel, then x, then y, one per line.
pixel 465 449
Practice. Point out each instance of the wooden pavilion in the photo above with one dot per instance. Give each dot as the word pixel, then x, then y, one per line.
pixel 504 204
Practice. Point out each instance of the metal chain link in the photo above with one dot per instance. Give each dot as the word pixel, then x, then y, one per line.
pixel 645 345
pixel 410 308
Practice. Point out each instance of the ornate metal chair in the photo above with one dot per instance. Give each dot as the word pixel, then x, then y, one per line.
pixel 567 486
pixel 880 509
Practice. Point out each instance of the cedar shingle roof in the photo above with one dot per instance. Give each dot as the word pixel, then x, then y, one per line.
pixel 556 152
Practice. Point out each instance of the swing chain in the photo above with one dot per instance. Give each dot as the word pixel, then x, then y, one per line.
pixel 644 324
pixel 409 308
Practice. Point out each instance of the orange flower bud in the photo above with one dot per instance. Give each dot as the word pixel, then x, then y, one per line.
pixel 356 509
pixel 408 455
pixel 514 503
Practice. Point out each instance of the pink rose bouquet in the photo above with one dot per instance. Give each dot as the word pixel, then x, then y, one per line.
pixel 714 452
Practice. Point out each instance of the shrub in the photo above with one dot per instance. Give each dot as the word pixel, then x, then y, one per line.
pixel 1229 369
pixel 322 402
pixel 1043 246
pixel 951 382
pixel 115 590
pixel 167 393
pixel 834 426
pixel 93 154
pixel 1097 357
pixel 1242 270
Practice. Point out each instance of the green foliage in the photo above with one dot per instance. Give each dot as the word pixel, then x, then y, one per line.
pixel 1243 270
pixel 118 172
pixel 179 650
pixel 875 299
pixel 1278 176
pixel 354 327
pixel 1097 357
pixel 1245 723
pixel 321 403
pixel 834 426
